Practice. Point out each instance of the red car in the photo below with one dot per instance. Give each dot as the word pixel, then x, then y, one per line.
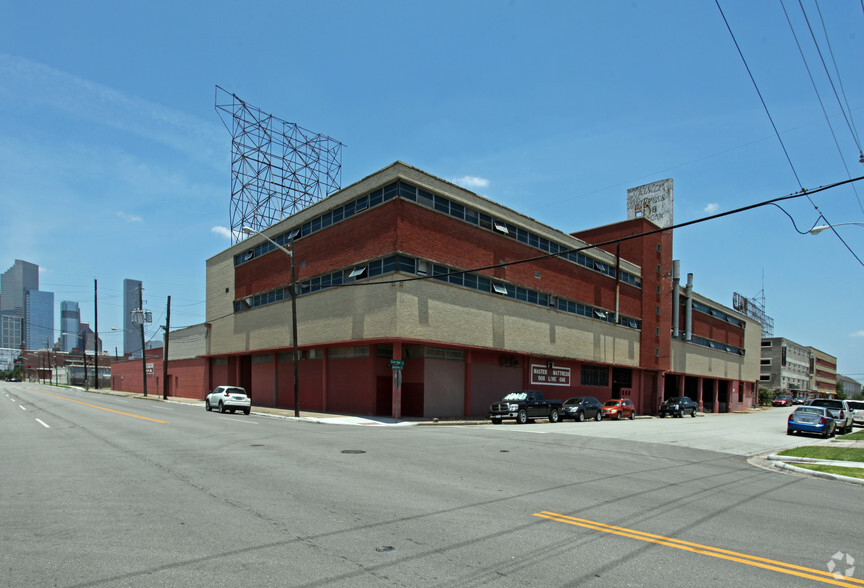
pixel 617 409
pixel 782 401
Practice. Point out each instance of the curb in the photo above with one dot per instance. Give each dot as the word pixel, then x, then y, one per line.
pixel 815 474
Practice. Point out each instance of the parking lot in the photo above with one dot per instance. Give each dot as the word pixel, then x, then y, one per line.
pixel 747 434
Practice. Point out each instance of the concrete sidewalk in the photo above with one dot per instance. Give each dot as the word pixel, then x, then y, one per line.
pixel 305 415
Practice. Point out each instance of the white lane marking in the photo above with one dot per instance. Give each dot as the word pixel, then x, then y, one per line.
pixel 41 422
pixel 236 420
pixel 22 407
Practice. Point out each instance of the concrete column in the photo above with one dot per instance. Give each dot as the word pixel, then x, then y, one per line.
pixel 700 381
pixel 716 407
pixel 682 384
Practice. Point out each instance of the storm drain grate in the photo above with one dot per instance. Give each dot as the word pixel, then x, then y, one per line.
pixel 353 451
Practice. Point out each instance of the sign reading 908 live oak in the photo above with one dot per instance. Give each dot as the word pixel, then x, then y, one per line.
pixel 550 376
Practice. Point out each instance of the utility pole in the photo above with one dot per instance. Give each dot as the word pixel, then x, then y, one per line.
pixel 165 357
pixel 143 354
pixel 96 327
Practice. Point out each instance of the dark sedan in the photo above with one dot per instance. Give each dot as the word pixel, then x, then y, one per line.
pixel 580 408
pixel 678 407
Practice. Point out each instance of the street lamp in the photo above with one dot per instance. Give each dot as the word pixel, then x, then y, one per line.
pixel 820 228
pixel 295 353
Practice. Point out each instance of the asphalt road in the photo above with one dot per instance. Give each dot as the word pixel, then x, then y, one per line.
pixel 106 491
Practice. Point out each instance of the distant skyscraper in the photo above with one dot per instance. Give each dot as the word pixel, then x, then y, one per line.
pixel 70 319
pixel 39 319
pixel 14 285
pixel 131 332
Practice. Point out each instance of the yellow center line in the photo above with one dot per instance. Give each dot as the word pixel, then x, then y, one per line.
pixel 751 560
pixel 129 414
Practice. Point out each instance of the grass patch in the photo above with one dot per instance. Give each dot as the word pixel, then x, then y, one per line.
pixel 822 452
pixel 858 436
pixel 828 469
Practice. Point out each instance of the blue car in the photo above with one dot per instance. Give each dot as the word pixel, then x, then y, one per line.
pixel 811 419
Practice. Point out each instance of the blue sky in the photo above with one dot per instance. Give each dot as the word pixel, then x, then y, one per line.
pixel 115 164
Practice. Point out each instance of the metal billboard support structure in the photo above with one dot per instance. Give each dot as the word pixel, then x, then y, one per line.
pixel 277 168
pixel 755 309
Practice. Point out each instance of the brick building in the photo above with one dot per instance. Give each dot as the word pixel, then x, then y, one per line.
pixel 476 299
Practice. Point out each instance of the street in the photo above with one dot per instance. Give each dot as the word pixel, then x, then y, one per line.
pixel 106 491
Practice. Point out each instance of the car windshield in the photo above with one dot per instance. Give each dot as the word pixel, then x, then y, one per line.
pixel 855 404
pixel 516 396
pixel 235 391
pixel 574 400
pixel 612 403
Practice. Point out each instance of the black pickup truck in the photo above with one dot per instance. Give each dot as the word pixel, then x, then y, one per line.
pixel 524 406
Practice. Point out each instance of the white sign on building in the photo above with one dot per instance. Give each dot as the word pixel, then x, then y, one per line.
pixel 652 201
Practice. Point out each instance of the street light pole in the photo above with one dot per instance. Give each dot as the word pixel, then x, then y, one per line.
pixel 293 290
pixel 820 228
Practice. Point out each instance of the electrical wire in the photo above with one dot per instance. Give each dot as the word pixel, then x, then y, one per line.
pixel 821 104
pixel 756 86
pixel 830 80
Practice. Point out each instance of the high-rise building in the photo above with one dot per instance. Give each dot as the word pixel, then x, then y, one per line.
pixel 15 282
pixel 87 340
pixel 38 319
pixel 70 319
pixel 131 332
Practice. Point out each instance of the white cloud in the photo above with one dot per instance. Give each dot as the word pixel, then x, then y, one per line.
pixel 857 334
pixel 129 218
pixel 223 232
pixel 472 182
pixel 40 86
pixel 712 208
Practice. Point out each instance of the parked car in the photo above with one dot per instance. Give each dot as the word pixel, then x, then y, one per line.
pixel 857 408
pixel 678 406
pixel 524 406
pixel 619 409
pixel 799 400
pixel 839 411
pixel 228 398
pixel 782 400
pixel 811 419
pixel 580 408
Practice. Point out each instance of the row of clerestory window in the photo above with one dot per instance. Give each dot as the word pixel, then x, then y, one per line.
pixel 443 205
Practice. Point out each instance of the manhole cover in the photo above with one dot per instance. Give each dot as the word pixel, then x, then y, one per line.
pixel 385 548
pixel 353 451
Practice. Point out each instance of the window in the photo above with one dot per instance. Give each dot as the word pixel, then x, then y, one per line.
pixel 594 375
pixel 357 272
pixel 501 227
pixel 348 352
pixel 499 289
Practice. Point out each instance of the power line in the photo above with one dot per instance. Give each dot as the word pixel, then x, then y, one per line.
pixel 756 86
pixel 821 104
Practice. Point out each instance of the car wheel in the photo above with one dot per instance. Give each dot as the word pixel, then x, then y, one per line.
pixel 232 410
pixel 207 406
pixel 662 415
pixel 693 414
pixel 496 421
pixel 221 408
pixel 522 417
pixel 598 416
pixel 789 431
pixel 247 410
pixel 680 414
pixel 553 415
pixel 581 417
pixel 632 415
pixel 617 416
pixel 827 433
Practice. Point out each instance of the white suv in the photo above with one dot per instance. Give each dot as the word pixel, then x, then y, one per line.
pixel 839 410
pixel 227 398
